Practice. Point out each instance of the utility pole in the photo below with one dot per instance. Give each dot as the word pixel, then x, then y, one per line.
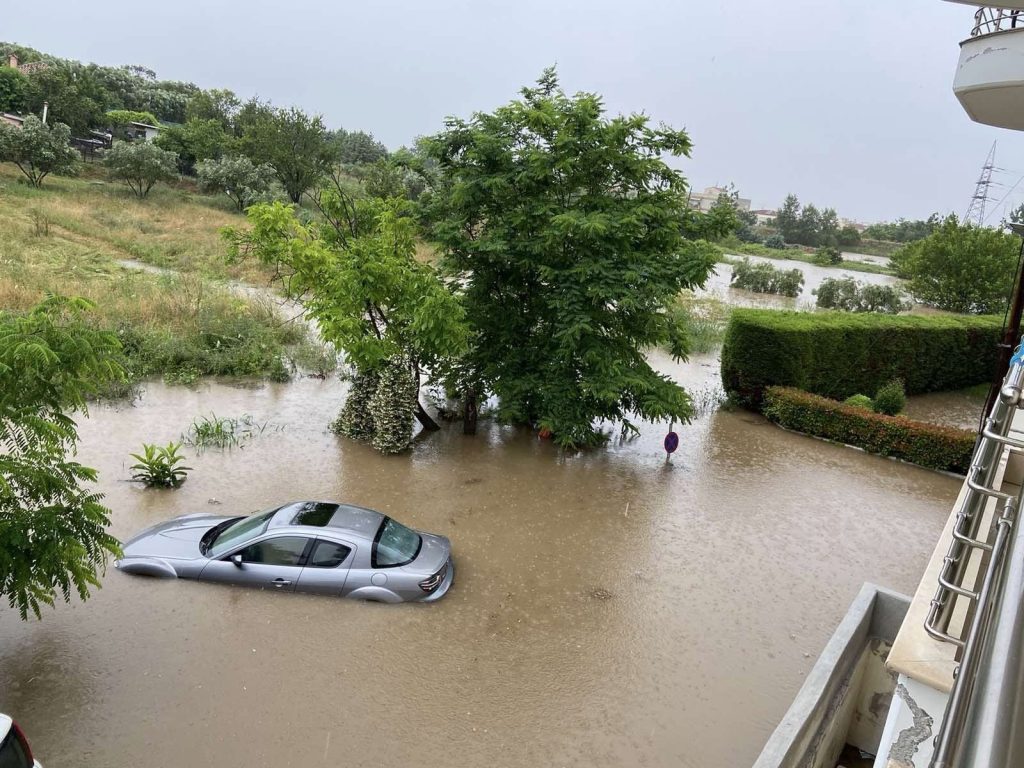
pixel 976 210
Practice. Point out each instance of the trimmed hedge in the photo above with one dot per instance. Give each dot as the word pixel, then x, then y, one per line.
pixel 927 445
pixel 838 354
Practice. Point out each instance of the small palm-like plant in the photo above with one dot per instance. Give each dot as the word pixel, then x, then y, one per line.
pixel 160 465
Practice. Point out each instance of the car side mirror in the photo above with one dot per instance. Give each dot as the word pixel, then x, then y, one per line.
pixel 237 560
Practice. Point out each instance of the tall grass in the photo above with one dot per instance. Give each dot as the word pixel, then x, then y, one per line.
pixel 705 320
pixel 182 326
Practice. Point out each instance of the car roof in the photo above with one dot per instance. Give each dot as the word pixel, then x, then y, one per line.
pixel 328 515
pixel 5 725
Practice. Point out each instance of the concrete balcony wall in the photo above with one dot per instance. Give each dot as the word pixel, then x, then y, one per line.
pixel 989 80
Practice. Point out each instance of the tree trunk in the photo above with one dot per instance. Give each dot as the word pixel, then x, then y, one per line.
pixel 424 418
pixel 469 413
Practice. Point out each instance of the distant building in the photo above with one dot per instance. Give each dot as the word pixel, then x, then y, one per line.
pixel 28 68
pixel 764 216
pixel 860 226
pixel 142 131
pixel 702 201
pixel 15 120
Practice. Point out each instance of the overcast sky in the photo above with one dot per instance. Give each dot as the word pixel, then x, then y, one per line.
pixel 847 103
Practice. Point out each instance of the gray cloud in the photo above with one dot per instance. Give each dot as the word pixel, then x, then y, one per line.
pixel 847 103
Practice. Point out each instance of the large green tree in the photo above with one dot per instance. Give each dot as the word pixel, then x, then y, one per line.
pixel 193 142
pixel 960 267
pixel 355 272
pixel 52 524
pixel 562 226
pixel 38 149
pixel 358 147
pixel 13 86
pixel 295 144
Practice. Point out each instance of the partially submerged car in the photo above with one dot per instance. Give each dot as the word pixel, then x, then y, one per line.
pixel 304 546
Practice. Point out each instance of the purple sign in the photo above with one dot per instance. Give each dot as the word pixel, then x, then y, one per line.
pixel 671 442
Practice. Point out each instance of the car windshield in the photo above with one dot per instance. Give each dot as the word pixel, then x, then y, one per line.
pixel 395 545
pixel 239 532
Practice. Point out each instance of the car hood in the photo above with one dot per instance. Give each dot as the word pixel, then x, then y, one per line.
pixel 178 538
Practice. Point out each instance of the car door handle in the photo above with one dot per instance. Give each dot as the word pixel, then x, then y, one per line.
pixel 281 582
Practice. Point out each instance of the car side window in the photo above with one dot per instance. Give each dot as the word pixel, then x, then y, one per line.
pixel 328 554
pixel 280 550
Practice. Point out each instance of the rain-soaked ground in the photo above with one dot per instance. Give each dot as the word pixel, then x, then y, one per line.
pixel 609 609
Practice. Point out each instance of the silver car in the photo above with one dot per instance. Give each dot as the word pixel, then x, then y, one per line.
pixel 305 546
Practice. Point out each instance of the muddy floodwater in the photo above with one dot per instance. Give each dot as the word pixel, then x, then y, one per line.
pixel 609 609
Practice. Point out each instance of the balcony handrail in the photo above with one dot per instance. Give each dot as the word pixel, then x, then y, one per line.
pixel 966 736
pixel 988 21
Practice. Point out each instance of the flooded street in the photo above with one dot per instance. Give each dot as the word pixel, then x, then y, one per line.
pixel 608 609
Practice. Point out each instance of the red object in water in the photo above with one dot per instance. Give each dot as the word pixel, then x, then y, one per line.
pixel 544 434
pixel 671 442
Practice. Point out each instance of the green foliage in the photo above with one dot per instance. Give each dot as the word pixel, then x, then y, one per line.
pixel 721 220
pixel 122 117
pixel 828 256
pixel 356 419
pixel 222 431
pixel 807 225
pixel 52 529
pixel 357 147
pixel 563 228
pixel 903 231
pixel 848 236
pixel 13 86
pixel 237 178
pixel 890 398
pixel 928 445
pixel 776 242
pixel 38 149
pixel 193 142
pixel 838 354
pixel 393 405
pixel 218 104
pixel 849 295
pixel 74 96
pixel 296 145
pixel 704 321
pixel 761 277
pixel 960 267
pixel 160 465
pixel 140 165
pixel 860 401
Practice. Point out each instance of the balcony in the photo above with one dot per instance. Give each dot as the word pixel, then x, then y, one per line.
pixel 989 81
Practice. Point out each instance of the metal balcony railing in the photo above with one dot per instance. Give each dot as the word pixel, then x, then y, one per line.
pixel 982 581
pixel 988 21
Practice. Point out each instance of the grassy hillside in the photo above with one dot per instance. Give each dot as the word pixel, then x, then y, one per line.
pixel 70 236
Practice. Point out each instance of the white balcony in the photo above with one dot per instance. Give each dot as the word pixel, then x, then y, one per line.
pixel 989 80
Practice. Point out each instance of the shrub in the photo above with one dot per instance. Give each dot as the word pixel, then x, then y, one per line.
pixel 827 255
pixel 850 295
pixel 860 401
pixel 140 165
pixel 838 354
pixel 393 406
pixel 778 242
pixel 890 398
pixel 762 277
pixel 38 149
pixel 238 178
pixel 160 465
pixel 929 445
pixel 355 419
